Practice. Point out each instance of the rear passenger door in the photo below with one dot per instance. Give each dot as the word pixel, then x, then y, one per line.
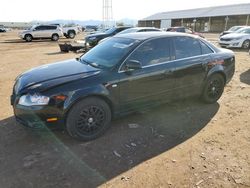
pixel 191 56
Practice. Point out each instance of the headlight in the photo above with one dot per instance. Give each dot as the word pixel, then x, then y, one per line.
pixel 92 38
pixel 33 100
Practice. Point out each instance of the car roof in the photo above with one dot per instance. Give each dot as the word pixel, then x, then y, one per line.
pixel 143 28
pixel 148 35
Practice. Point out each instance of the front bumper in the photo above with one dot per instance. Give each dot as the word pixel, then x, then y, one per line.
pixel 91 43
pixel 21 36
pixel 230 44
pixel 37 117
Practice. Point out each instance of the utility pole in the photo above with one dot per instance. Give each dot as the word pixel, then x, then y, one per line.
pixel 107 13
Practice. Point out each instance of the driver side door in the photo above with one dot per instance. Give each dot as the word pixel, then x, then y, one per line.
pixel 154 82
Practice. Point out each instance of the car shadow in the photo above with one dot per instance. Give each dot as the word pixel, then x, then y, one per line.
pixel 56 53
pixel 12 41
pixel 52 158
pixel 239 49
pixel 245 77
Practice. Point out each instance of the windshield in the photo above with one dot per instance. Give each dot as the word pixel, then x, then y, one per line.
pixel 235 28
pixel 243 30
pixel 109 53
pixel 132 30
pixel 32 27
pixel 111 30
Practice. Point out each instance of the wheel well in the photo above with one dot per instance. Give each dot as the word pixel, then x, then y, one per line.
pixel 110 104
pixel 28 34
pixel 55 34
pixel 222 74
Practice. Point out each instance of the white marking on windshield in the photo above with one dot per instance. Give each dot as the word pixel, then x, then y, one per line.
pixel 122 46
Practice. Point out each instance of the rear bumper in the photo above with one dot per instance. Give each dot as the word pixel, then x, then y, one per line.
pixel 230 72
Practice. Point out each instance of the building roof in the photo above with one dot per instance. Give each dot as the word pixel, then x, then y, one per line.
pixel 239 9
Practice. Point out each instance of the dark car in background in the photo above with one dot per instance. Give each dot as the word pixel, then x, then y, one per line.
pixel 2 29
pixel 93 39
pixel 139 29
pixel 124 74
pixel 134 30
pixel 232 30
pixel 184 30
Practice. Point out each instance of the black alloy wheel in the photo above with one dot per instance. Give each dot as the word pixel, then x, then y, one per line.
pixel 88 119
pixel 213 89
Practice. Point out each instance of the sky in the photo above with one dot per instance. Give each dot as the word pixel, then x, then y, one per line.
pixel 46 10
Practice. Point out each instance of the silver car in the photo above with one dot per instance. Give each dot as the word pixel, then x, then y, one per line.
pixel 238 39
pixel 52 32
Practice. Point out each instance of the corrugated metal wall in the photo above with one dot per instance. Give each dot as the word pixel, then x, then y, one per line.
pixel 213 24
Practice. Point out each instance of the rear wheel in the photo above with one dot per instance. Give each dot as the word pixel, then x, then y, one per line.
pixel 213 89
pixel 88 119
pixel 246 44
pixel 71 34
pixel 55 37
pixel 28 38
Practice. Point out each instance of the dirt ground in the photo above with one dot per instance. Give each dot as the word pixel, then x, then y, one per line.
pixel 184 144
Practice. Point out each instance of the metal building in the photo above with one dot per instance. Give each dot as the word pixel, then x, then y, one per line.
pixel 210 19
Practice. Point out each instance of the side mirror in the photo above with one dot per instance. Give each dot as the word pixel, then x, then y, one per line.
pixel 133 65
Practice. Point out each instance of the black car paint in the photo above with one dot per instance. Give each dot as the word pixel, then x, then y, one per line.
pixel 123 91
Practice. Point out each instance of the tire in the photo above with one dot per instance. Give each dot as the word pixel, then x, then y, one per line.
pixel 213 88
pixel 66 35
pixel 71 34
pixel 88 119
pixel 246 44
pixel 28 37
pixel 55 37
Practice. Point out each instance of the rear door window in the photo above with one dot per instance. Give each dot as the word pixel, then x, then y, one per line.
pixel 205 49
pixel 186 47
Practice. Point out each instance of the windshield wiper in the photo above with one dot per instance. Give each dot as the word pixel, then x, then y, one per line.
pixel 95 65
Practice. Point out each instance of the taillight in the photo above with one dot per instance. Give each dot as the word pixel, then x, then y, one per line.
pixel 216 62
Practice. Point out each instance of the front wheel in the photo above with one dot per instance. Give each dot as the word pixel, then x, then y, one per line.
pixel 246 44
pixel 88 119
pixel 55 37
pixel 213 89
pixel 28 38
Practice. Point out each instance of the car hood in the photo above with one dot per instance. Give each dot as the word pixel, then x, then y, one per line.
pixel 97 35
pixel 233 35
pixel 25 31
pixel 56 73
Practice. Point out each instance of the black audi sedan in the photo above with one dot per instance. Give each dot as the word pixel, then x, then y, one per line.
pixel 124 74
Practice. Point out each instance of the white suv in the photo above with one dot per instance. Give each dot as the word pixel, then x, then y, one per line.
pixel 52 32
